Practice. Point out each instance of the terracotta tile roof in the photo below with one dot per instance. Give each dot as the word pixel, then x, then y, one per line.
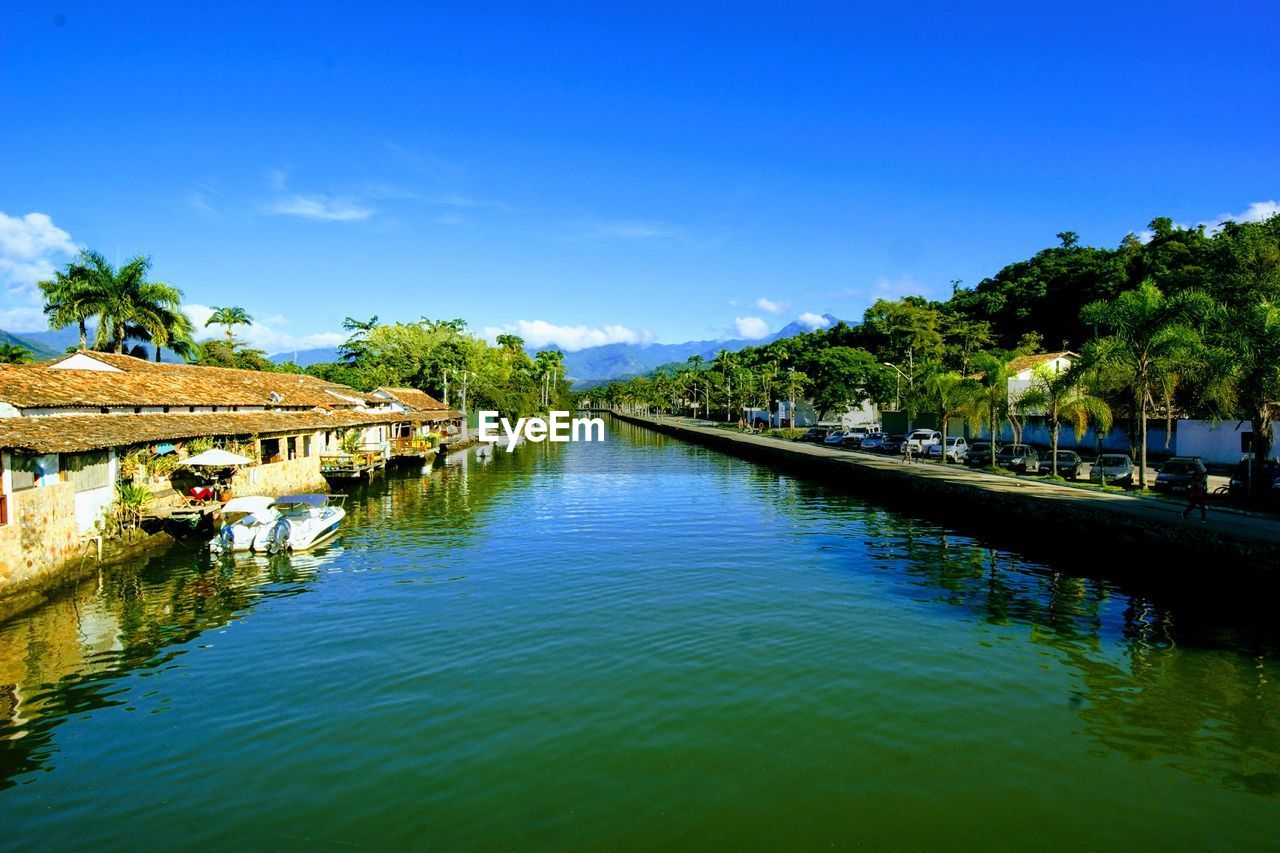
pixel 75 433
pixel 413 398
pixel 1028 362
pixel 137 382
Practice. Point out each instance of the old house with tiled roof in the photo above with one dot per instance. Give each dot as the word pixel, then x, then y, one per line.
pixel 67 425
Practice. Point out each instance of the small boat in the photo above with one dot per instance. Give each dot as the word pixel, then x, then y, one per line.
pixel 242 520
pixel 303 522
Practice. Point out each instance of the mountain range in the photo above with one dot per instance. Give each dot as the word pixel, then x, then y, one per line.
pixel 610 361
pixel 618 361
pixel 585 366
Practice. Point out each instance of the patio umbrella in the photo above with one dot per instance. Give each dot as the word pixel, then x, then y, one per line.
pixel 217 458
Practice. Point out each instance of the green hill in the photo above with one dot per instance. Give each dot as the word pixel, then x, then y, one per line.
pixel 38 351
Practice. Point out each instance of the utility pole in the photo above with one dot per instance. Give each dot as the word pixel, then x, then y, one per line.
pixel 446 386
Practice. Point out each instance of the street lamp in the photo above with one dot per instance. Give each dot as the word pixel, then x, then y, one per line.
pixel 911 383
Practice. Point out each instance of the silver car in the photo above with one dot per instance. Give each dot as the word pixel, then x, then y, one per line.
pixel 1112 469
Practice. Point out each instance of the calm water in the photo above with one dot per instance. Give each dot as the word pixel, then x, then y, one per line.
pixel 639 644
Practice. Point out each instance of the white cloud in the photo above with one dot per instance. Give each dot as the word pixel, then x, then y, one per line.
pixel 772 307
pixel 261 335
pixel 813 321
pixel 751 328
pixel 540 333
pixel 321 208
pixel 1256 212
pixel 30 247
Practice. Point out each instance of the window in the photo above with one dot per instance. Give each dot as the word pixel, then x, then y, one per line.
pixel 26 471
pixel 87 471
pixel 270 450
pixel 292 444
pixel 306 445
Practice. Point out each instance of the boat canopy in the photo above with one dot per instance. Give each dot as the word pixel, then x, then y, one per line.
pixel 249 504
pixel 305 500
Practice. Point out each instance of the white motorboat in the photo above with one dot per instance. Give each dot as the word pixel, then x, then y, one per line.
pixel 304 521
pixel 242 520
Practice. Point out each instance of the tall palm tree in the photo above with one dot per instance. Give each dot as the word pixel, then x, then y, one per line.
pixel 1151 341
pixel 950 395
pixel 1061 398
pixel 75 295
pixel 14 354
pixel 229 318
pixel 123 298
pixel 1252 336
pixel 990 404
pixel 170 327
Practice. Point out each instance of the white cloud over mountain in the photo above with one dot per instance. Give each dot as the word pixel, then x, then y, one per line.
pixel 31 248
pixel 751 328
pixel 813 321
pixel 540 333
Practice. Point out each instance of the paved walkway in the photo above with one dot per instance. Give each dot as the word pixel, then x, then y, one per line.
pixel 1159 512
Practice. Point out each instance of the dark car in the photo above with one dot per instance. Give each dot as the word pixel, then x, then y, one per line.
pixel 815 434
pixel 892 445
pixel 1177 475
pixel 979 454
pixel 1238 486
pixel 1021 458
pixel 1070 465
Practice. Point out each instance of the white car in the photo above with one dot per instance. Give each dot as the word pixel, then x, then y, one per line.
pixel 957 447
pixel 921 440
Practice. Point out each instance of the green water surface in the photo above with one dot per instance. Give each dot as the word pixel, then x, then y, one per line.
pixel 639 644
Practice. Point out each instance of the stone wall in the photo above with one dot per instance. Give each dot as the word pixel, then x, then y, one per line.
pixel 281 478
pixel 41 534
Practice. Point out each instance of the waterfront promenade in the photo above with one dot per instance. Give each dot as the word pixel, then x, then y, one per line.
pixel 1087 521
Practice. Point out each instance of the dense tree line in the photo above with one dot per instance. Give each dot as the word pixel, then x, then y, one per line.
pixel 1184 323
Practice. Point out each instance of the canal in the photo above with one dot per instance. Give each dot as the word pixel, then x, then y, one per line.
pixel 634 644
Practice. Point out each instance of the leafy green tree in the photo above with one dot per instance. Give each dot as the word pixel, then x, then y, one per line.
pixel 127 302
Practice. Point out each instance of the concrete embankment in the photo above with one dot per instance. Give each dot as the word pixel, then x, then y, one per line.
pixel 1105 532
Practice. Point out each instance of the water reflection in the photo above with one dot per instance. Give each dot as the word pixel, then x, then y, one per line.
pixel 66 657
pixel 1160 681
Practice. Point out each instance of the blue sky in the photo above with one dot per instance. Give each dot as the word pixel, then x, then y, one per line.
pixel 593 172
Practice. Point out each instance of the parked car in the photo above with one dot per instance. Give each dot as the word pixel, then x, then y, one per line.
pixel 1113 469
pixel 892 444
pixel 979 454
pixel 872 441
pixel 1070 465
pixel 1022 458
pixel 1238 485
pixel 854 435
pixel 956 448
pixel 921 440
pixel 1177 475
pixel 834 437
pixel 815 434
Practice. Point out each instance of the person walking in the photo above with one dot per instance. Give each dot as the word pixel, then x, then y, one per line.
pixel 1197 496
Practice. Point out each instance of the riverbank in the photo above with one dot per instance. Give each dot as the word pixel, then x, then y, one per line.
pixel 1117 533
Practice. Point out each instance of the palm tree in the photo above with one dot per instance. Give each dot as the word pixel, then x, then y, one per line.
pixel 1252 336
pixel 14 354
pixel 1151 342
pixel 990 404
pixel 170 327
pixel 1060 397
pixel 123 298
pixel 229 318
pixel 75 295
pixel 950 395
